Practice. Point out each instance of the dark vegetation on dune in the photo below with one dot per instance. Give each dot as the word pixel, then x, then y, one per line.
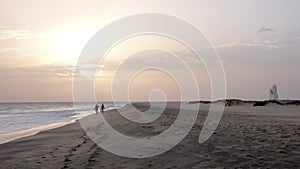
pixel 204 102
pixel 237 102
pixel 264 103
pixel 293 102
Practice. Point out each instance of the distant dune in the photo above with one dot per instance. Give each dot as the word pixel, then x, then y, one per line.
pixel 237 102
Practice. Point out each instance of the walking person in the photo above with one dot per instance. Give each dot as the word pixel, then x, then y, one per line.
pixel 96 108
pixel 102 108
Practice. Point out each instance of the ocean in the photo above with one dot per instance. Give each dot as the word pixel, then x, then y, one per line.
pixel 21 116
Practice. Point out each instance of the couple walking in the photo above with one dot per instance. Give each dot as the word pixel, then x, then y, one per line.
pixel 97 108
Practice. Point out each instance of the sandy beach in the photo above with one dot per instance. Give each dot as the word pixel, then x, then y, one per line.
pixel 149 84
pixel 247 137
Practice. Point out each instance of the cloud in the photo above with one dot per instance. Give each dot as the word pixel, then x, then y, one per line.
pixel 254 43
pixel 265 29
pixel 41 71
pixel 6 34
pixel 6 50
pixel 51 71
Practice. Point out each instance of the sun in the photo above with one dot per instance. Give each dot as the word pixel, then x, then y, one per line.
pixel 67 46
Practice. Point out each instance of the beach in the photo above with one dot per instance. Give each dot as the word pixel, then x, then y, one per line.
pixel 246 137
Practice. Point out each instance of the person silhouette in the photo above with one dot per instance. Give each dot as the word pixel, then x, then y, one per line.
pixel 96 108
pixel 102 108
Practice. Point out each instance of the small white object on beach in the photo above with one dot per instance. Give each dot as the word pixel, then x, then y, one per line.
pixel 273 93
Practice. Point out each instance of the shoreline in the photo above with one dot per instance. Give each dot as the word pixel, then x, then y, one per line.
pixel 11 136
pixel 14 135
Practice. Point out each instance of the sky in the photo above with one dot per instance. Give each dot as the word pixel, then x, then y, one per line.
pixel 258 42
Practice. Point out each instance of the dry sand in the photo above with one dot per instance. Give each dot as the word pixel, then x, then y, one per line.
pixel 247 137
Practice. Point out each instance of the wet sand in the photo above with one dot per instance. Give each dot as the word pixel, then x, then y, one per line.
pixel 247 137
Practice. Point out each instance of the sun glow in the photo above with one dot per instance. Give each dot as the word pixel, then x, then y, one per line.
pixel 66 46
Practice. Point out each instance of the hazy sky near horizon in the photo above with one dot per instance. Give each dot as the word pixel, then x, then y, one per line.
pixel 258 42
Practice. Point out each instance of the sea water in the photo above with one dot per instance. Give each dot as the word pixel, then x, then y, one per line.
pixel 21 116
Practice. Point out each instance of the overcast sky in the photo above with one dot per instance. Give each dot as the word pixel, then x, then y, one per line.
pixel 258 42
